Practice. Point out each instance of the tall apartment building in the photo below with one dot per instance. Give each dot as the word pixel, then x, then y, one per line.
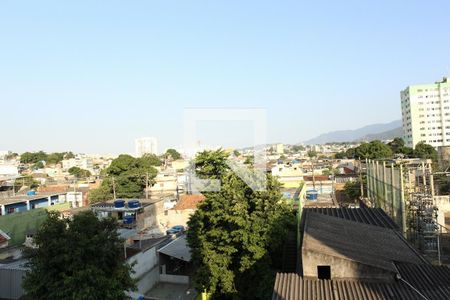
pixel 146 145
pixel 426 113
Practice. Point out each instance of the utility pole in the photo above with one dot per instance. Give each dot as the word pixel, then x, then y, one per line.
pixel 114 188
pixel 313 177
pixel 146 186
pixel 361 185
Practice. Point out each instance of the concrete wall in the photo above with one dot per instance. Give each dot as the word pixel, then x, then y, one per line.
pixel 174 217
pixel 340 267
pixel 148 218
pixel 146 269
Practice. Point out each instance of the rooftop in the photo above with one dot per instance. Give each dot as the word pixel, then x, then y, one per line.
pixel 22 198
pixel 365 215
pixel 178 248
pixel 189 201
pixel 291 286
pixel 367 244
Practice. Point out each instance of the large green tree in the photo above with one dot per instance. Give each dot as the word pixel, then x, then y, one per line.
pixel 211 164
pixel 398 146
pixel 33 157
pixel 52 158
pixel 128 176
pixel 172 154
pixel 372 150
pixel 237 234
pixel 79 172
pixel 79 258
pixel 423 150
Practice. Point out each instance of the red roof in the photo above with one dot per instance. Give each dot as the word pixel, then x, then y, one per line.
pixel 189 201
pixel 2 239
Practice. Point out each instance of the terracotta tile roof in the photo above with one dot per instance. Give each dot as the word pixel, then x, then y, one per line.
pixel 189 201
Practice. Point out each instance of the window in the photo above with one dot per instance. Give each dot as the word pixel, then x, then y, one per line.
pixel 10 210
pixel 323 272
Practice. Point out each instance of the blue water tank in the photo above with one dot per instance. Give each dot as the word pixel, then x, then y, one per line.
pixel 311 195
pixel 31 193
pixel 119 203
pixel 128 220
pixel 134 204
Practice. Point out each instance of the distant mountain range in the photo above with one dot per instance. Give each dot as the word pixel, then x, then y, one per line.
pixel 366 133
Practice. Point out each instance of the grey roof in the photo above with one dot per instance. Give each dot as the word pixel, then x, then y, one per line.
pixel 432 281
pixel 178 248
pixel 366 215
pixel 125 233
pixel 23 198
pixel 370 245
pixel 290 286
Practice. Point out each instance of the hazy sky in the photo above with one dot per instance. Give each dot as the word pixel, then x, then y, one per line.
pixel 91 76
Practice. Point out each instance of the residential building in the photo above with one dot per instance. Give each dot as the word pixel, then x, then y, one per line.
pixel 30 201
pixel 279 148
pixel 4 239
pixel 146 145
pixel 426 113
pixel 131 213
pixel 355 253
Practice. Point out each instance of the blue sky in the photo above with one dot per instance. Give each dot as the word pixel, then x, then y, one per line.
pixel 91 77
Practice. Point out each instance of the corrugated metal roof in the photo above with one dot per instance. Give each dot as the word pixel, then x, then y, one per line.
pixel 432 281
pixel 291 286
pixel 365 215
pixel 177 248
pixel 371 245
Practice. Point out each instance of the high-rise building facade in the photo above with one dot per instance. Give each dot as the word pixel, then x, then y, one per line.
pixel 146 145
pixel 426 114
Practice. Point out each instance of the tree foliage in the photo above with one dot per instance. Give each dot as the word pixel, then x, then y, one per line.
pixel 172 154
pixel 372 150
pixel 52 158
pixel 79 172
pixel 340 155
pixel 80 258
pixel 425 151
pixel 211 164
pixel 379 150
pixel 128 175
pixel 236 235
pixel 311 153
pixel 11 155
pixel 352 190
pixel 27 181
pixel 297 148
pixel 397 146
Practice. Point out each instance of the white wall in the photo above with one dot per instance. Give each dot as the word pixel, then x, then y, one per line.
pixel 146 269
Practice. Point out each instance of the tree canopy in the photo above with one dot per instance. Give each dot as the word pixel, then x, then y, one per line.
pixel 52 158
pixel 79 258
pixel 426 151
pixel 211 164
pixel 128 175
pixel 79 172
pixel 236 234
pixel 172 154
pixel 378 150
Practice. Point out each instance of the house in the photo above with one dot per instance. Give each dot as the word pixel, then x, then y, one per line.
pixel 4 239
pixel 30 201
pixel 334 247
pixel 357 253
pixel 132 213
